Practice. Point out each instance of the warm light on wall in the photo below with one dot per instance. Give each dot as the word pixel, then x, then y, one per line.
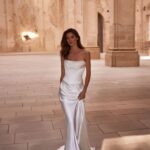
pixel 28 35
pixel 145 57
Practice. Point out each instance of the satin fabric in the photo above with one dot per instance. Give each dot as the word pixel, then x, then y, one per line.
pixel 69 90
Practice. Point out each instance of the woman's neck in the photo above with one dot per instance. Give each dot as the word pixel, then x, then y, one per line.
pixel 74 48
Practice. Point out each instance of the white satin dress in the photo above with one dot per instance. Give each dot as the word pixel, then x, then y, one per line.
pixel 69 89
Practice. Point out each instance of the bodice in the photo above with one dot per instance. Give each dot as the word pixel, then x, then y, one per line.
pixel 74 71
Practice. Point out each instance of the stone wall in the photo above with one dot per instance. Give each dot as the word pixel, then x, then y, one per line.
pixel 105 10
pixel 36 16
pixel 49 18
pixel 142 26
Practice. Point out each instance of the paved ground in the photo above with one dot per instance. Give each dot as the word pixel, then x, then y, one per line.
pixel 31 118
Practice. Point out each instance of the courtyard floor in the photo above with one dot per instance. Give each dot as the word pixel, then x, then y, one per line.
pixel 31 118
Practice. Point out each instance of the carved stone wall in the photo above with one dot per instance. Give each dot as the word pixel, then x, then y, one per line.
pixel 142 27
pixel 38 16
pixel 49 18
pixel 104 10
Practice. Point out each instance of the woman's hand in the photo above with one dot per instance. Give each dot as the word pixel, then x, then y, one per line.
pixel 82 95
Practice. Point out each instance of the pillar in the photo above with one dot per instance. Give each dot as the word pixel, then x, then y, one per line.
pixel 69 10
pixel 79 17
pixel 91 27
pixel 122 52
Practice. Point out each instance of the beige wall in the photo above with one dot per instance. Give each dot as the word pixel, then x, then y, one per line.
pixel 41 16
pixel 49 18
pixel 141 36
pixel 104 8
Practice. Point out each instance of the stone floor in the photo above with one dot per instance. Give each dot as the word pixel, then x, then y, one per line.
pixel 117 105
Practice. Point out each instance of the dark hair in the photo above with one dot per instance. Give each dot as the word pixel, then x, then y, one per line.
pixel 65 47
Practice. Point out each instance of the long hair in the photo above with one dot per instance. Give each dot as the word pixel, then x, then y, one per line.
pixel 65 47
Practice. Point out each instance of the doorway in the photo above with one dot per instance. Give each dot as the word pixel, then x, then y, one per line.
pixel 100 32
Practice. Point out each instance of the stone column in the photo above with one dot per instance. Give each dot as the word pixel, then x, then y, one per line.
pixel 7 41
pixel 69 13
pixel 122 52
pixel 91 23
pixel 79 17
pixel 91 27
pixel 3 25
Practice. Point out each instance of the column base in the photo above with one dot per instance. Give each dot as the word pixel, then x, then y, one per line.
pixel 95 52
pixel 122 59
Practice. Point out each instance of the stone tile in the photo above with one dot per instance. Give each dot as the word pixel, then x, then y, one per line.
pixel 116 105
pixel 10 101
pixel 7 106
pixel 14 109
pixel 105 118
pixel 14 147
pixel 38 136
pixel 137 116
pixel 30 127
pixel 3 128
pixel 94 129
pixel 100 107
pixel 2 101
pixel 130 111
pixel 59 123
pixel 41 103
pixel 31 113
pixel 122 126
pixel 97 113
pixel 52 99
pixel 59 113
pixel 46 145
pixel 21 119
pixel 57 108
pixel 47 116
pixel 6 139
pixel 135 132
pixel 7 114
pixel 146 122
pixel 42 108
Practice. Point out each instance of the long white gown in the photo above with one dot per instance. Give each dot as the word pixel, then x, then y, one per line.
pixel 69 89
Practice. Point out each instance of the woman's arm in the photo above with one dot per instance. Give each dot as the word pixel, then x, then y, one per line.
pixel 62 68
pixel 88 75
pixel 88 71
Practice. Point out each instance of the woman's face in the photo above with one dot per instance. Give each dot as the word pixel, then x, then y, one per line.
pixel 71 39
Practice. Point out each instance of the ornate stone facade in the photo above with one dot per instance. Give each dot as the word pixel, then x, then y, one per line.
pixel 142 27
pixel 93 19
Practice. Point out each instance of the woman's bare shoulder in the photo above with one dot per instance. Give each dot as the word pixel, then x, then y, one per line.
pixel 86 53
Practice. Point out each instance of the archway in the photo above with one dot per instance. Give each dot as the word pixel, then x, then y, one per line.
pixel 100 32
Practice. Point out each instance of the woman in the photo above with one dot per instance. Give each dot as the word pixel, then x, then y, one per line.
pixel 74 60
